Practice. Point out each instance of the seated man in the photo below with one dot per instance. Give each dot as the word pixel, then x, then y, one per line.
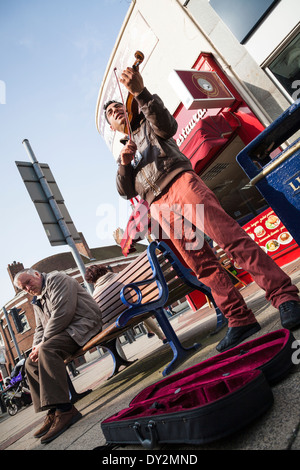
pixel 66 318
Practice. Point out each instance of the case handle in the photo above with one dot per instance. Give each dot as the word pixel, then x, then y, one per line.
pixel 146 443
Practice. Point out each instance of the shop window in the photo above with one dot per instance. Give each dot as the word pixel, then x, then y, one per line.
pixel 24 321
pixel 285 68
pixel 242 16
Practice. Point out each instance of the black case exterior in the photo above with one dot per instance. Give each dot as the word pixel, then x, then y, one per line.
pixel 199 426
pixel 247 369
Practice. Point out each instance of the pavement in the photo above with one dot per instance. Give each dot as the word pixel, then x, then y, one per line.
pixel 277 429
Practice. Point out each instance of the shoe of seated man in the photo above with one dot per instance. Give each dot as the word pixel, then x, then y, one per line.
pixel 46 425
pixel 290 314
pixel 62 421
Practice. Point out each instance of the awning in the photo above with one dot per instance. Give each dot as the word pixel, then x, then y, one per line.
pixel 208 136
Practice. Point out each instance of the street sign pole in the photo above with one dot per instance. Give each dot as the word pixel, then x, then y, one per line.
pixel 57 213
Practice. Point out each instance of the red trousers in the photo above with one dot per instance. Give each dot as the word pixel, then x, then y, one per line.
pixel 188 190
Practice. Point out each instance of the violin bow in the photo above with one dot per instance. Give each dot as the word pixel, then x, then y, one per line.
pixel 124 106
pixel 139 56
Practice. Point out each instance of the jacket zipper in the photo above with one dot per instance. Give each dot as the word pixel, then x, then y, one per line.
pixel 156 189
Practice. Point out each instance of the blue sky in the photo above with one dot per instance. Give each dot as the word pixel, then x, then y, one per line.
pixel 53 55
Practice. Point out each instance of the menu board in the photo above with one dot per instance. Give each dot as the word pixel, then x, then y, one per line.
pixel 269 233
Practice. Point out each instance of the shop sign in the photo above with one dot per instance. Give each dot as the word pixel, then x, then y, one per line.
pixel 200 89
pixel 294 184
pixel 270 234
pixel 185 131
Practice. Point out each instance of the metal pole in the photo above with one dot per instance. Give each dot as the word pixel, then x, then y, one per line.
pixel 57 213
pixel 12 332
pixel 275 163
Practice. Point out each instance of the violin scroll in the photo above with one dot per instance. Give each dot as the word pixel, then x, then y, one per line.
pixel 131 107
pixel 131 104
pixel 139 59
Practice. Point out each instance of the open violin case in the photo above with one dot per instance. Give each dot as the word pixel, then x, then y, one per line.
pixel 207 401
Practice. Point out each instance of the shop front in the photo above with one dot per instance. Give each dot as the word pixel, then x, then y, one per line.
pixel 211 138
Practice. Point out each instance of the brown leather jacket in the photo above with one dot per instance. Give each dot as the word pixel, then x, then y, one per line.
pixel 158 159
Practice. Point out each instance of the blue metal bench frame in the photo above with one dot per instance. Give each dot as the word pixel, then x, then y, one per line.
pixel 180 353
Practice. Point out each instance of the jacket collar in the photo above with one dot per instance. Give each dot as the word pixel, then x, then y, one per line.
pixel 36 299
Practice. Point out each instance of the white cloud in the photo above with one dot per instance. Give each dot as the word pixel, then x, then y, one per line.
pixel 89 42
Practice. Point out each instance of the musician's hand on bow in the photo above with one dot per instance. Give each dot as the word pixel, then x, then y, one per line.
pixel 132 80
pixel 128 152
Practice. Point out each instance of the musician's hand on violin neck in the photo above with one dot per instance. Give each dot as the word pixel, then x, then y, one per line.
pixel 132 80
pixel 128 152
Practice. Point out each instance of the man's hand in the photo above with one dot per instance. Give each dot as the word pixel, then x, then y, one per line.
pixel 132 80
pixel 34 355
pixel 128 152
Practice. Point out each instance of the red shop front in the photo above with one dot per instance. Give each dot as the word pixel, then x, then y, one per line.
pixel 211 137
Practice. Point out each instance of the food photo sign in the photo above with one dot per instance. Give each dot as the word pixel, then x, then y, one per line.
pixel 271 235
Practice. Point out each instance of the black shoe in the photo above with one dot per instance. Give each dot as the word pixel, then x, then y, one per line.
pixel 290 314
pixel 236 334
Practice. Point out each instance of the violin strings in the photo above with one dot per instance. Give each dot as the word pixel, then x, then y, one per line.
pixel 125 111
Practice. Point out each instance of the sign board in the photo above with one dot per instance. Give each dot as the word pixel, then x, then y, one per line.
pixel 44 210
pixel 271 235
pixel 198 89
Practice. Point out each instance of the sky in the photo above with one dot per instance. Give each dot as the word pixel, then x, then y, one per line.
pixel 53 55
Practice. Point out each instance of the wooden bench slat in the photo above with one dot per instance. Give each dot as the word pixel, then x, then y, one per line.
pixel 112 307
pixel 140 269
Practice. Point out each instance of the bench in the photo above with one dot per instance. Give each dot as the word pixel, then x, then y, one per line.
pixel 152 281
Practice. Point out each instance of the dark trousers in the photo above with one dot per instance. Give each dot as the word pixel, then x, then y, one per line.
pixel 47 378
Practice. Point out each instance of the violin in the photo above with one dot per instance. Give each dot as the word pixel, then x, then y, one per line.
pixel 131 107
pixel 131 104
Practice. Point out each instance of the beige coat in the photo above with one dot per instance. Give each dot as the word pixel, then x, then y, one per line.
pixel 103 282
pixel 65 306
